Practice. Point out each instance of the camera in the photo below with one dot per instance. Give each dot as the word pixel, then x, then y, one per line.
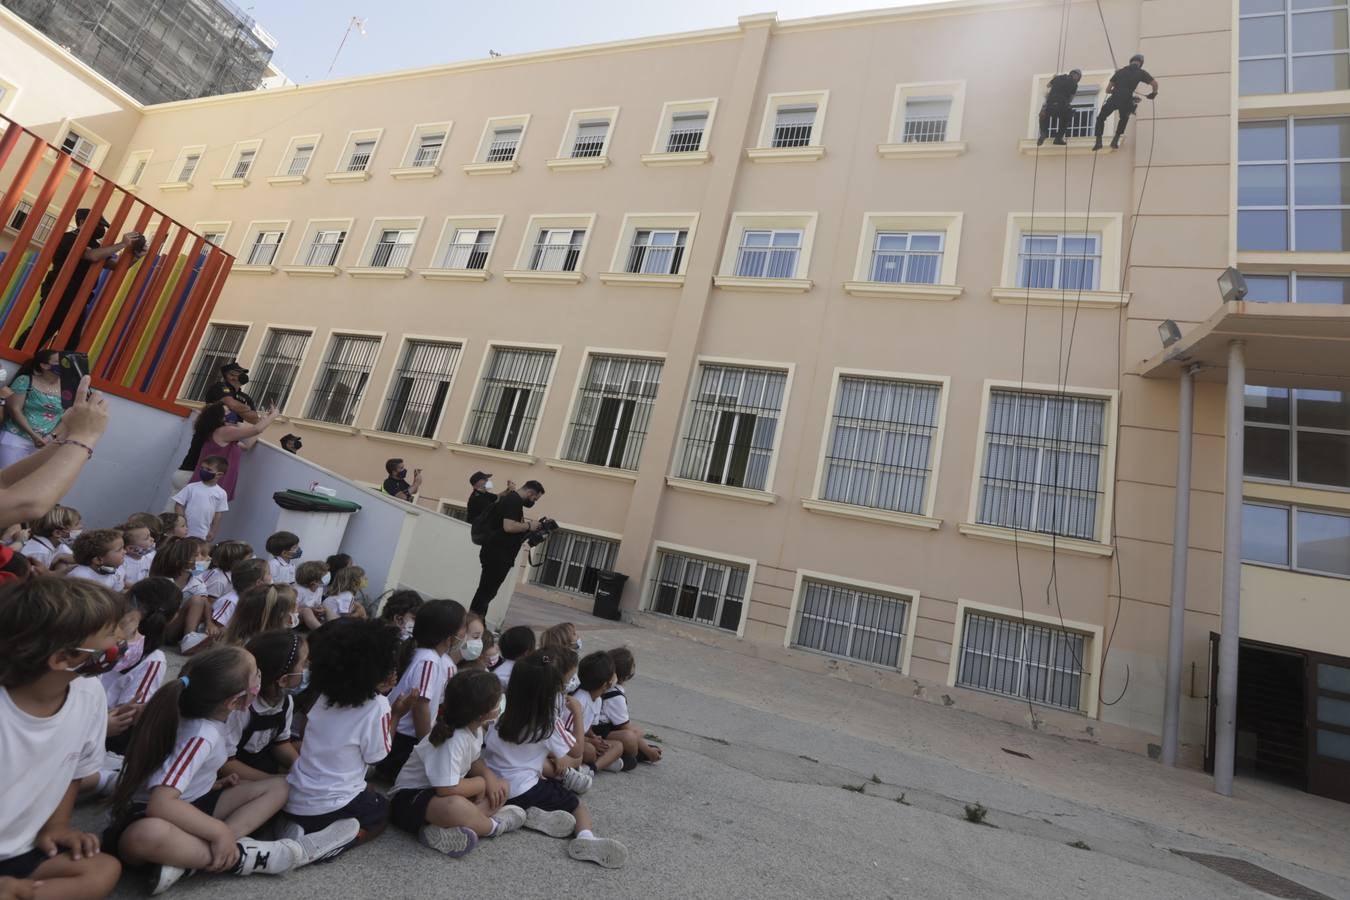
pixel 540 534
pixel 139 245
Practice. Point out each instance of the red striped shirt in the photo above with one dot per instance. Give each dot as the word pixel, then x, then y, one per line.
pixel 184 759
pixel 148 679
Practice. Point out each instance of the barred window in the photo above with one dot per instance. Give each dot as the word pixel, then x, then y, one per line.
pixel 657 251
pixel 44 226
pixel 686 131
pixel 189 167
pixel 573 561
pixel 733 420
pixel 1082 112
pixel 557 250
pixel 510 398
pixel 613 407
pixel 325 248
pixel 1039 663
pixel 394 248
pixel 419 388
pixel 455 510
pixel 428 150
pixel 244 163
pixel 277 366
pixel 792 125
pixel 359 158
pixel 1043 463
pixel 590 139
pixel 852 623
pixel 300 158
pixel 343 378
pixel 926 119
pixel 221 345
pixel 504 143
pixel 699 590
pixel 468 249
pixel 881 441
pixel 263 250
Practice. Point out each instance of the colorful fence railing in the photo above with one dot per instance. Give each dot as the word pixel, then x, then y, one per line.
pixel 138 316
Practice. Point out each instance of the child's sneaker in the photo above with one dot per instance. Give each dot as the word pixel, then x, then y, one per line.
pixel 509 818
pixel 267 857
pixel 323 844
pixel 616 766
pixel 453 842
pixel 554 823
pixel 164 877
pixel 578 780
pixel 605 852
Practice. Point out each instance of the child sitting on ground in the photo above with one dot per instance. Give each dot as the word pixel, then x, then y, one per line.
pixel 470 649
pixel 438 626
pixel 564 634
pixel 284 548
pixel 138 545
pixel 172 525
pixel 566 755
pixel 445 794
pixel 52 722
pixel 262 607
pixel 488 647
pixel 98 558
pixel 309 593
pixel 340 598
pixel 596 677
pixel 264 744
pixel 515 643
pixel 400 610
pixel 614 711
pixel 139 672
pixel 171 811
pixel 202 503
pixel 212 601
pixel 48 549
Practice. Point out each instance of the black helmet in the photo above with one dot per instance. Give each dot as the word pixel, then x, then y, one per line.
pixel 1138 57
pixel 1077 72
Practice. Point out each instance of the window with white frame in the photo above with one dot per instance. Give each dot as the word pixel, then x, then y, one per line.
pixel 220 345
pixel 613 408
pixel 1301 538
pixel 880 446
pixel 1044 464
pixel 325 246
pixel 427 145
pixel 687 131
pixel 214 236
pixel 1294 184
pixel 22 210
pixel 1293 46
pixel 510 398
pixel 732 426
pixel 1296 287
pixel 557 249
pixel 793 125
pixel 1083 111
pixel 573 561
pixel 302 153
pixel 502 137
pixel 262 248
pixel 1041 663
pixel 907 257
pixel 852 623
pixel 455 510
pixel 1053 261
pixel 1297 436
pixel 590 138
pixel 768 252
pixel 133 171
pixel 468 249
pixel 699 590
pixel 278 364
pixel 187 167
pixel 926 119
pixel 657 251
pixel 343 378
pixel 393 248
pixel 78 147
pixel 359 154
pixel 243 164
pixel 419 388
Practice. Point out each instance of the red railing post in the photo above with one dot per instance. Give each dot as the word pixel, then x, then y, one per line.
pixel 22 242
pixel 187 322
pixel 173 292
pixel 106 358
pixel 108 295
pixel 203 317
pixel 9 140
pixel 14 193
pixel 122 366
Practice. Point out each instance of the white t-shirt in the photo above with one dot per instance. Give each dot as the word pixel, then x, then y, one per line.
pixel 614 706
pixel 503 672
pixel 425 676
pixel 222 611
pixel 283 712
pixel 339 604
pixel 307 598
pixel 518 765
pixel 43 550
pixel 340 741
pixel 590 709
pixel 283 570
pixel 40 757
pixel 134 570
pixel 201 502
pixel 202 747
pixel 139 684
pixel 445 766
pixel 216 583
pixel 111 581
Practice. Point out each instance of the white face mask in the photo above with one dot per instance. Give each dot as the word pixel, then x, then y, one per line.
pixel 572 684
pixel 295 620
pixel 74 533
pixel 471 649
pixel 406 629
pixel 488 485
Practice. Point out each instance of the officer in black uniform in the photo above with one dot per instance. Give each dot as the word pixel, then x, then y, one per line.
pixel 1058 105
pixel 1121 99
pixel 230 391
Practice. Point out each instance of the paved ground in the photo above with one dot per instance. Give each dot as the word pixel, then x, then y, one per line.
pixel 778 782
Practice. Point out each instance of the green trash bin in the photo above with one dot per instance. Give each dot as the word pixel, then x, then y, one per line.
pixel 319 521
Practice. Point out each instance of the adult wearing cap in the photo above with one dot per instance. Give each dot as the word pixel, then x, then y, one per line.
pixel 291 443
pixel 229 390
pixel 94 252
pixel 482 498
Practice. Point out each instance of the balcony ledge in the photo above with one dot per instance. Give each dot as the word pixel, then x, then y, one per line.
pixel 415 173
pixel 325 426
pixel 312 271
pixel 252 270
pixel 530 276
pixel 878 290
pixel 389 273
pixel 633 279
pixel 578 163
pixel 286 180
pixel 405 440
pixel 568 465
pixel 524 459
pixel 691 158
pixel 229 184
pixel 1013 296
pixel 1330 262
pixel 921 150
pixel 768 285
pixel 785 154
pixel 347 177
pixel 491 168
pixel 455 274
pixel 747 495
pixel 1076 546
pixel 170 187
pixel 1077 146
pixel 868 514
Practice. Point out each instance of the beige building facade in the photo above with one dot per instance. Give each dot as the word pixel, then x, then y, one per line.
pixel 804 334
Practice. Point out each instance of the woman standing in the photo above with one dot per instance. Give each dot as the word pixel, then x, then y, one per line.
pixel 33 408
pixel 211 436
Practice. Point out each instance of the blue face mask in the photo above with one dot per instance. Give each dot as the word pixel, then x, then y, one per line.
pixel 200 566
pixel 297 554
pixel 304 683
pixel 206 474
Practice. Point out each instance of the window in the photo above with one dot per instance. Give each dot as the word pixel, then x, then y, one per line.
pixel 1296 537
pixel 682 133
pixel 1292 287
pixel 244 163
pixel 302 151
pixel 852 623
pixel 880 447
pixel 499 146
pixel 1043 466
pixel 1067 262
pixel 768 253
pixel 557 250
pixel 1297 436
pixel 214 237
pixel 1040 663
pixel 343 378
pixel 133 170
pixel 573 561
pixel 505 142
pixel 902 257
pixel 656 251
pixel 1289 47
pixel 220 345
pixel 686 131
pixel 793 125
pixel 590 139
pixel 792 128
pixel 926 120
pixel 138 171
pixel 427 145
pixel 455 510
pixel 613 406
pixel 325 247
pixel 393 249
pixel 419 388
pixel 277 365
pixel 359 159
pixel 732 427
pixel 188 168
pixel 510 398
pixel 44 227
pixel 1302 206
pixel 469 248
pixel 1083 111
pixel 80 148
pixel 699 590
pixel 263 249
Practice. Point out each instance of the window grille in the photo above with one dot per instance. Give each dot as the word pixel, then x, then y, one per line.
pixel 573 561
pixel 244 163
pixel 325 248
pixel 1039 663
pixel 852 623
pixel 264 249
pixel 656 251
pixel 428 151
pixel 792 125
pixel 300 160
pixel 468 249
pixel 557 250
pixel 221 345
pixel 732 422
pixel 419 388
pixel 343 378
pixel 1082 113
pixel 613 409
pixel 590 139
pixel 926 120
pixel 504 143
pixel 359 160
pixel 698 590
pixel 881 443
pixel 510 398
pixel 394 248
pixel 189 168
pixel 686 132
pixel 278 364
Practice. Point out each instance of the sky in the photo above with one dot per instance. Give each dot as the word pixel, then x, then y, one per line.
pixel 406 34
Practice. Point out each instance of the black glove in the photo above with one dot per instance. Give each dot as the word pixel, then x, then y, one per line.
pixel 1153 96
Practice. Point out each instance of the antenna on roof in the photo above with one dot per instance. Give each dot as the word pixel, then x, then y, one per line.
pixel 357 24
pixel 494 53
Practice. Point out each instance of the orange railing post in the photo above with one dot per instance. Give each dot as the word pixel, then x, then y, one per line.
pixel 199 328
pixel 14 192
pixel 187 321
pixel 22 242
pixel 106 357
pixel 172 292
pixel 127 353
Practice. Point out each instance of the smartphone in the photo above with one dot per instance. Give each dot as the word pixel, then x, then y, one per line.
pixel 74 366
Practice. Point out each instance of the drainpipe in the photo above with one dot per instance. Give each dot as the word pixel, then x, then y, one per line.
pixel 1225 723
pixel 1181 531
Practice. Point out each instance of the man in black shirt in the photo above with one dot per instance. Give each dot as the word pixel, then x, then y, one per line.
pixel 230 391
pixel 94 253
pixel 482 498
pixel 396 485
pixel 507 530
pixel 1121 98
pixel 1058 105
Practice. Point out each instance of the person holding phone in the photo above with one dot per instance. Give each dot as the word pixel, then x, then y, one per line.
pixel 33 408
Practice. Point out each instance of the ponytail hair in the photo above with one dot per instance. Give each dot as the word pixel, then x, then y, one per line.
pixel 158 600
pixel 276 652
pixel 531 698
pixel 469 696
pixel 263 607
pixel 207 681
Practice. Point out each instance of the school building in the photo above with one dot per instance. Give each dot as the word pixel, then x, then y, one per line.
pixel 805 334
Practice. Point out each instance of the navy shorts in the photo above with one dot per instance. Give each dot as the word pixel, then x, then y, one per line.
pixel 23 865
pixel 408 808
pixel 602 729
pixel 547 794
pixel 113 833
pixel 370 808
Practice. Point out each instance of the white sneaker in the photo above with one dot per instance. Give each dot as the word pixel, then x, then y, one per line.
pixel 577 780
pixel 453 842
pixel 320 845
pixel 605 852
pixel 164 877
pixel 509 818
pixel 267 857
pixel 554 823
pixel 616 766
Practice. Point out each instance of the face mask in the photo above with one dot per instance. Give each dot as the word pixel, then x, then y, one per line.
pixel 100 662
pixel 135 650
pixel 297 553
pixel 471 649
pixel 136 552
pixel 304 683
pixel 200 566
pixel 206 474
pixel 75 533
pixel 325 579
pixel 577 645
pixel 493 658
pixel 487 485
pixel 572 684
pixel 402 473
pixel 405 630
pixel 243 379
pixel 294 620
pixel 364 584
pixel 527 503
pixel 106 570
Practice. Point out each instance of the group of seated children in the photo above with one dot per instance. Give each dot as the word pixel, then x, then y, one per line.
pixel 256 757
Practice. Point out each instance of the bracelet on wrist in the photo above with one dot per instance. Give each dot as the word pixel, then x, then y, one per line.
pixel 61 442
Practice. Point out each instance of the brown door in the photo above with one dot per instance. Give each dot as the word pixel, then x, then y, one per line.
pixel 1212 713
pixel 1329 737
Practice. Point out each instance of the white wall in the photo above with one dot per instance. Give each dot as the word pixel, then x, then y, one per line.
pixel 442 562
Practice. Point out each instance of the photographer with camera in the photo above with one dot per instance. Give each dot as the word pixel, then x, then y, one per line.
pixel 500 532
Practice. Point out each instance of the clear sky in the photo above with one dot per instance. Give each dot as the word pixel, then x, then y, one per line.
pixel 405 34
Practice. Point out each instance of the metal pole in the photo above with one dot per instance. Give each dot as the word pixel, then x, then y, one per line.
pixel 1225 725
pixel 1181 533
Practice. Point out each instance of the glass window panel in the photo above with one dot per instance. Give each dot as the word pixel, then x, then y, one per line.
pixel 1266 404
pixel 1319 229
pixel 1266 453
pixel 1318 184
pixel 1330 709
pixel 1324 30
pixel 1262 141
pixel 1314 4
pixel 1329 72
pixel 1263 36
pixel 1261 76
pixel 1324 458
pixel 1268 185
pixel 1333 678
pixel 1260 6
pixel 1316 289
pixel 1268 288
pixel 1333 744
pixel 1263 230
pixel 1327 138
pixel 1323 409
pixel 1323 542
pixel 1265 534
